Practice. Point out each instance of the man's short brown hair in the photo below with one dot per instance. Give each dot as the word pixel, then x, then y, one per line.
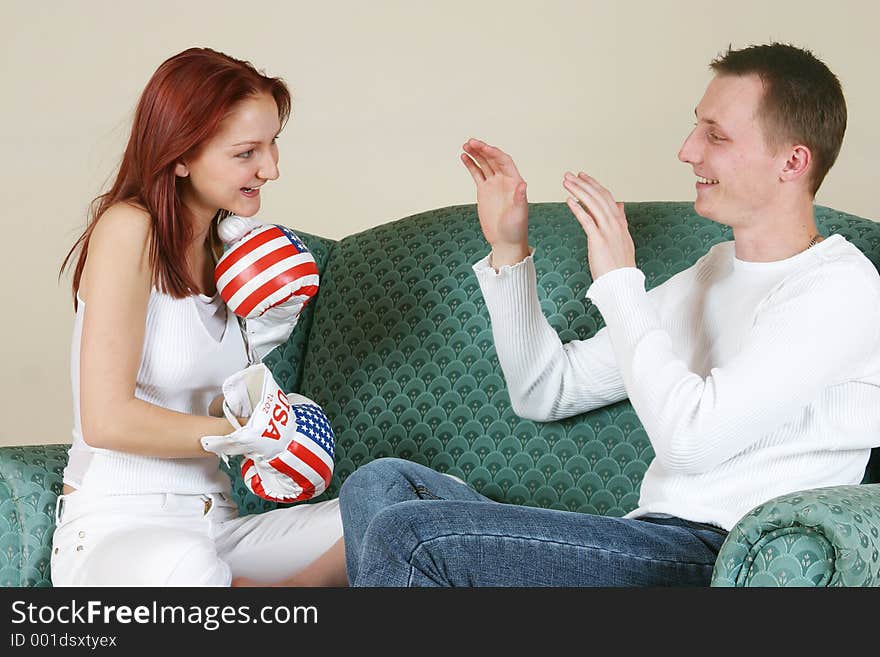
pixel 803 102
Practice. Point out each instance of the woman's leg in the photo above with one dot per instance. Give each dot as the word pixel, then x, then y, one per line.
pixel 407 480
pixel 294 546
pixel 135 540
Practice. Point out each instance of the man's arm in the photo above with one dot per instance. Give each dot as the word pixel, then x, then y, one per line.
pixel 785 362
pixel 816 333
pixel 545 379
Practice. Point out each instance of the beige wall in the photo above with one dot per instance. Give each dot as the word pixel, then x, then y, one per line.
pixel 385 93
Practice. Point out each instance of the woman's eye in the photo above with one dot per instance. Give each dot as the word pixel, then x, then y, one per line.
pixel 246 154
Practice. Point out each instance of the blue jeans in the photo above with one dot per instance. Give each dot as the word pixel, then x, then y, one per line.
pixel 407 525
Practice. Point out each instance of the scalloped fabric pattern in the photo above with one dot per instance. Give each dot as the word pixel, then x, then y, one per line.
pixel 821 537
pixel 30 482
pixel 402 358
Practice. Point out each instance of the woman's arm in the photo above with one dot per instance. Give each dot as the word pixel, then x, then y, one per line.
pixel 115 287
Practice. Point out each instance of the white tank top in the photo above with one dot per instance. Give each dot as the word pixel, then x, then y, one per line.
pixel 182 368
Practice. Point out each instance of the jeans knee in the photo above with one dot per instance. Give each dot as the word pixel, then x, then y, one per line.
pixel 378 473
pixel 405 541
pixel 394 529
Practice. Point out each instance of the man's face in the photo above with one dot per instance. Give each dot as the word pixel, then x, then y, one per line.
pixel 737 173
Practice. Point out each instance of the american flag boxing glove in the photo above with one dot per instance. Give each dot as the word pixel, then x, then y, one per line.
pixel 288 442
pixel 266 276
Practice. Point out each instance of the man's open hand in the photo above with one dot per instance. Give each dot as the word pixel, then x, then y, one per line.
pixel 501 201
pixel 609 244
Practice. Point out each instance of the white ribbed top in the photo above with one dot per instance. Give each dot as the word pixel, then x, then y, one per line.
pixel 751 379
pixel 184 363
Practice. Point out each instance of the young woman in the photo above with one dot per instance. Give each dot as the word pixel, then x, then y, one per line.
pixel 153 342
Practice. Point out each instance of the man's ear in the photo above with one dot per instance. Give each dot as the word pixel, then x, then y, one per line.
pixel 181 170
pixel 798 163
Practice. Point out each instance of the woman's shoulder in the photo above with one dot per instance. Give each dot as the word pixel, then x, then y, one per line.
pixel 119 248
pixel 124 224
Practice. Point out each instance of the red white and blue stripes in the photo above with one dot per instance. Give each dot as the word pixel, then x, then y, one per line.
pixel 265 268
pixel 304 468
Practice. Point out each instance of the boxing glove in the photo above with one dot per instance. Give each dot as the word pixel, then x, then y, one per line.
pixel 288 442
pixel 266 277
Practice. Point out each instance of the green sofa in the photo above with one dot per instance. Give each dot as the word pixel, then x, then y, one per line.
pixel 398 349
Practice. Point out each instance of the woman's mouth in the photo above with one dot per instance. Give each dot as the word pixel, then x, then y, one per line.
pixel 250 192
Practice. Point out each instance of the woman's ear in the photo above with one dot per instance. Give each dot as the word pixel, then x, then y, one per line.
pixel 180 170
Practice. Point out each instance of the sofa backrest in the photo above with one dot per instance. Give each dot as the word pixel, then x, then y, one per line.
pixel 398 350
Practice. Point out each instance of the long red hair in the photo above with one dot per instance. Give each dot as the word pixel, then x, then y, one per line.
pixel 181 106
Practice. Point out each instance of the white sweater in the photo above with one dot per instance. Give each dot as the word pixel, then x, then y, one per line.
pixel 751 379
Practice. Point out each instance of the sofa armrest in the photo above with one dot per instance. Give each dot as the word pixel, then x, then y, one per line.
pixel 819 537
pixel 30 482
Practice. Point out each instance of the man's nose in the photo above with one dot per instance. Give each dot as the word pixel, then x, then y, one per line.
pixel 689 151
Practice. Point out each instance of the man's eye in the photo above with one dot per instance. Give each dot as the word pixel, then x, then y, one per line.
pixel 246 154
pixel 715 137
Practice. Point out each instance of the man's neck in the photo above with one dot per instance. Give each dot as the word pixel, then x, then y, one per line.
pixel 775 235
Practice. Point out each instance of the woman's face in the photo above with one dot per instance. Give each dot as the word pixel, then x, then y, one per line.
pixel 230 167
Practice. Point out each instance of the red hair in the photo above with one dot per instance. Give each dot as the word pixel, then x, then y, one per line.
pixel 181 107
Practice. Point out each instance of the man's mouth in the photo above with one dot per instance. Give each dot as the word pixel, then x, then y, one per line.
pixel 706 181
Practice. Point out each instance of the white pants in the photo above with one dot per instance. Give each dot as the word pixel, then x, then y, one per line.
pixel 167 539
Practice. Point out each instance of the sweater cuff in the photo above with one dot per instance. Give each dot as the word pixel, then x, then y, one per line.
pixel 621 298
pixel 510 293
pixel 483 267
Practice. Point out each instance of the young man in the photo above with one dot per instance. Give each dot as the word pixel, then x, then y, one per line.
pixel 728 364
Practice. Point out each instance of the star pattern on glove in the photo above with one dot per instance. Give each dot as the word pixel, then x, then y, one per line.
pixel 312 422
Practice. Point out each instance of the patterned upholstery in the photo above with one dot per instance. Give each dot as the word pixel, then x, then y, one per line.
pixel 822 537
pixel 30 481
pixel 398 350
pixel 405 363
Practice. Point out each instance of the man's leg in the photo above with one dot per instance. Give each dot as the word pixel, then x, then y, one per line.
pixel 484 543
pixel 382 483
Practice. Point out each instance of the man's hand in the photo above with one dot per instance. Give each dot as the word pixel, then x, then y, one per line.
pixel 609 244
pixel 501 201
